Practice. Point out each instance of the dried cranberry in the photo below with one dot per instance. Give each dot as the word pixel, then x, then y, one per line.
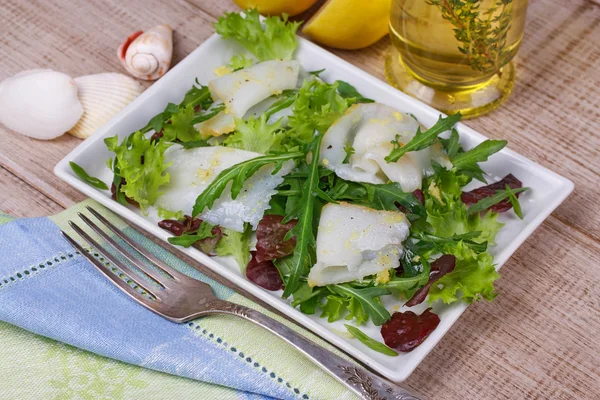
pixel 264 274
pixel 475 195
pixel 269 238
pixel 440 267
pixel 406 330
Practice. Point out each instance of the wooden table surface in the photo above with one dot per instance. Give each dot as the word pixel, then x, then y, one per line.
pixel 540 337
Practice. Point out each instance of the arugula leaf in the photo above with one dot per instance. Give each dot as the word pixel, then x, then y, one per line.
pixel 208 114
pixel 196 96
pixel 369 342
pixel 236 244
pixel 276 205
pixel 467 162
pixel 306 297
pixel 286 100
pixel 117 181
pixel 188 239
pixel 348 91
pixel 317 106
pixel 141 163
pixel 349 151
pixel 255 135
pixel 292 204
pixel 303 230
pixel 350 191
pixel 368 299
pixel 514 202
pixel 317 72
pixel 452 144
pixel 500 195
pixel 387 196
pixel 405 287
pixel 433 243
pixel 422 140
pixel 195 143
pixel 276 41
pixel 237 174
pixel 91 180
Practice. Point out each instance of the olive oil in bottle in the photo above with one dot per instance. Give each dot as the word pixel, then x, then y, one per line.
pixel 455 54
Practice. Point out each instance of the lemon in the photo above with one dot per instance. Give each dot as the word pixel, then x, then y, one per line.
pixel 349 24
pixel 276 7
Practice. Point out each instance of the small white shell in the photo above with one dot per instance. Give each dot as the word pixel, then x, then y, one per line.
pixel 103 96
pixel 147 55
pixel 39 103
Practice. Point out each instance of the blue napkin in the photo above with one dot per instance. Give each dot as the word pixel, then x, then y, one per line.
pixel 46 287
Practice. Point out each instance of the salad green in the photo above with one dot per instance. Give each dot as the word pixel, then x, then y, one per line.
pixel 286 137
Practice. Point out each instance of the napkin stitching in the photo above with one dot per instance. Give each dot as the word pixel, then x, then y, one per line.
pixel 249 360
pixel 37 268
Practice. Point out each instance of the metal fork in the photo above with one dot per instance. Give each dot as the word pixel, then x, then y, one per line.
pixel 180 298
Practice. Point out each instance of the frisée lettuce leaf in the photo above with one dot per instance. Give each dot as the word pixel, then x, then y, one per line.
pixel 140 161
pixel 275 41
pixel 255 134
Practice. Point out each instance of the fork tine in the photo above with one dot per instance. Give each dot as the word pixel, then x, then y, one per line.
pixel 121 284
pixel 147 255
pixel 135 260
pixel 124 268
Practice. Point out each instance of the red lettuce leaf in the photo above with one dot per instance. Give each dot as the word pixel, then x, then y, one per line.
pixel 264 274
pixel 440 267
pixel 190 225
pixel 406 330
pixel 475 195
pixel 269 235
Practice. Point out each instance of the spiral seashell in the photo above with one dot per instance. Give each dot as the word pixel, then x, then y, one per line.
pixel 147 55
pixel 103 96
pixel 39 103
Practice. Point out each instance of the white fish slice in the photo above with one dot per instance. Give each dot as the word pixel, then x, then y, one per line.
pixel 241 90
pixel 369 129
pixel 355 241
pixel 194 169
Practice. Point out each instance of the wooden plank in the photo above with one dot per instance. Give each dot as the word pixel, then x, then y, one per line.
pixel 21 200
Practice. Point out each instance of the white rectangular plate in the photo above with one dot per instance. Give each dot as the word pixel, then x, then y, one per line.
pixel 548 189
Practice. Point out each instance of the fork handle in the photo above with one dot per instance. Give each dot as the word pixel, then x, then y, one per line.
pixel 364 383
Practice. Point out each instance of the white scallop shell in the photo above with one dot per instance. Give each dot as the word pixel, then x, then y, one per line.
pixel 39 103
pixel 103 96
pixel 148 55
